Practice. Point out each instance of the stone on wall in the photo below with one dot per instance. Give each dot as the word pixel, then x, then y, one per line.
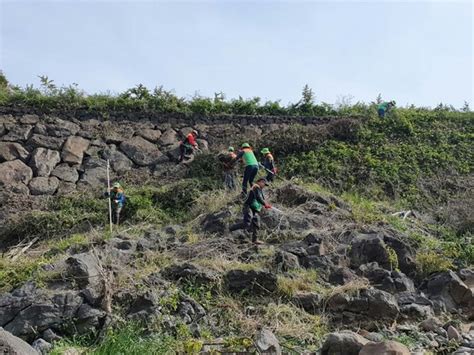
pixel 57 128
pixel 73 150
pixel 94 177
pixel 14 172
pixel 169 137
pixel 152 135
pixel 142 152
pixel 18 133
pixel 66 173
pixel 118 161
pixel 12 151
pixel 43 185
pixel 39 140
pixel 43 161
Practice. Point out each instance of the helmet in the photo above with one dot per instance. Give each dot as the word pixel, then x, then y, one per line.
pixel 265 151
pixel 195 132
pixel 245 145
pixel 230 149
pixel 116 185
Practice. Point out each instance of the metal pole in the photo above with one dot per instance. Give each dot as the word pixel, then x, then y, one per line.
pixel 110 202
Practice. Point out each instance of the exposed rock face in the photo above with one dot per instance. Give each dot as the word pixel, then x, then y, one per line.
pixel 73 150
pixel 345 342
pixel 141 151
pixel 152 135
pixel 12 151
pixel 12 345
pixel 118 161
pixel 43 161
pixel 85 270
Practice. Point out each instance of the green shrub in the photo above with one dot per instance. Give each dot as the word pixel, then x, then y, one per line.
pixel 430 262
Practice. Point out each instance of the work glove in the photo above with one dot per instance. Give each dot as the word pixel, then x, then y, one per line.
pixel 267 206
pixel 274 171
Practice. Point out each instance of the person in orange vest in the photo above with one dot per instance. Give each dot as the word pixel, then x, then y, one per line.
pixel 228 165
pixel 269 164
pixel 251 166
pixel 188 145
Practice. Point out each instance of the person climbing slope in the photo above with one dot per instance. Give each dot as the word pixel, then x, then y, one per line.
pixel 188 145
pixel 228 160
pixel 384 107
pixel 269 164
pixel 117 197
pixel 251 166
pixel 253 204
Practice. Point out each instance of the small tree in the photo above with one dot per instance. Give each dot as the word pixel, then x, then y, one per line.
pixel 378 100
pixel 308 96
pixel 466 107
pixel 48 85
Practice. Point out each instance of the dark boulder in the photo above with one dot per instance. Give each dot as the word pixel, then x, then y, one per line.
pixel 285 261
pixel 366 305
pixel 189 272
pixel 12 345
pixel 252 281
pixel 216 222
pixel 367 248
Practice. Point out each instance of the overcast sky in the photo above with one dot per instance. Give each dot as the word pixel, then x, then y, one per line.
pixel 414 52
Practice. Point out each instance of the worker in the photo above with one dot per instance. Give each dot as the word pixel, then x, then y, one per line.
pixel 188 145
pixel 228 161
pixel 268 164
pixel 252 206
pixel 251 166
pixel 117 198
pixel 384 107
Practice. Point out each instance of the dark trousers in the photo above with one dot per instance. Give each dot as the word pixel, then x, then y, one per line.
pixel 270 177
pixel 250 173
pixel 381 113
pixel 185 150
pixel 229 179
pixel 251 222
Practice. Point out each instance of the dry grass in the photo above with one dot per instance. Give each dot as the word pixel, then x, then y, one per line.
pixel 222 264
pixel 213 201
pixel 289 321
pixel 298 281
pixel 349 288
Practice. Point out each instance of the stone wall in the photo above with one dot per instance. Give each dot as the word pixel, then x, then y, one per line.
pixel 49 155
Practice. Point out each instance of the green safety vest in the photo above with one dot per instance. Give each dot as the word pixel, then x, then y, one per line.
pixel 256 206
pixel 249 158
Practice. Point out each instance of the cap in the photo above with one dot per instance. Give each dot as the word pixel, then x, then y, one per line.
pixel 265 151
pixel 245 145
pixel 116 184
pixel 230 149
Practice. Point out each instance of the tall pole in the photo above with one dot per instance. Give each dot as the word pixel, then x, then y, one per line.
pixel 110 202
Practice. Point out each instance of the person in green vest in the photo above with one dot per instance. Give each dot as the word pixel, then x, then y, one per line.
pixel 253 204
pixel 251 166
pixel 384 107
